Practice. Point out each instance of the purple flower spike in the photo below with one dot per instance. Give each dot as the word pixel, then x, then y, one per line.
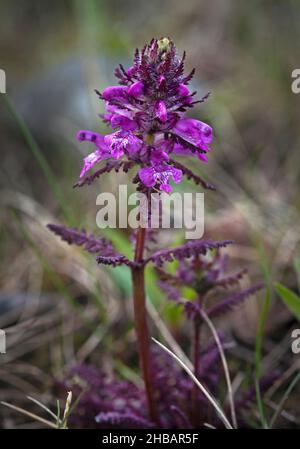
pixel 147 112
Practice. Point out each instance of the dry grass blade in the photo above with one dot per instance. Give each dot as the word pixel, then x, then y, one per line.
pixel 206 393
pixel 43 406
pixel 167 335
pixel 225 365
pixel 29 414
pixel 67 410
pixel 209 426
pixel 283 399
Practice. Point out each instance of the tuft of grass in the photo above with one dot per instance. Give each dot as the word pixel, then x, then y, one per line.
pixel 260 333
pixel 284 398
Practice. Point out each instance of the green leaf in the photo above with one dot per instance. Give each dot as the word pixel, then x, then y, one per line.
pixel 297 269
pixel 290 298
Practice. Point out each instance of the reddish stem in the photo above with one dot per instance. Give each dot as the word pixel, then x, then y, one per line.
pixel 140 318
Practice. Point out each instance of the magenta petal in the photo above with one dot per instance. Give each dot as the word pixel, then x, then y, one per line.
pixel 115 145
pixel 158 156
pixel 136 89
pixel 176 175
pixel 161 111
pixel 167 172
pixel 131 70
pixel 183 91
pixel 180 150
pixel 162 174
pixel 134 144
pixel 114 92
pixel 120 121
pixel 194 132
pixel 166 187
pixel 203 157
pixel 162 82
pixel 89 136
pixel 120 118
pixel 120 141
pixel 91 160
pixel 146 175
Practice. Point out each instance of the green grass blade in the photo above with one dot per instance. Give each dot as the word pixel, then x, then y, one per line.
pixel 40 158
pixel 260 333
pixel 291 300
pixel 258 353
pixel 297 269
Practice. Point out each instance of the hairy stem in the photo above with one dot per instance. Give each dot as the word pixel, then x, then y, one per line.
pixel 141 326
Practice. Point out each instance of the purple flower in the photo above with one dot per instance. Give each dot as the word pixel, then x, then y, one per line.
pixel 119 118
pixel 112 145
pixel 147 110
pixel 195 132
pixel 161 111
pixel 160 174
pixel 121 142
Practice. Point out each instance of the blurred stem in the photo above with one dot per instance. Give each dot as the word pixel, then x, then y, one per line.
pixel 196 361
pixel 140 318
pixel 196 348
pixel 260 332
pixel 258 355
pixel 196 342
